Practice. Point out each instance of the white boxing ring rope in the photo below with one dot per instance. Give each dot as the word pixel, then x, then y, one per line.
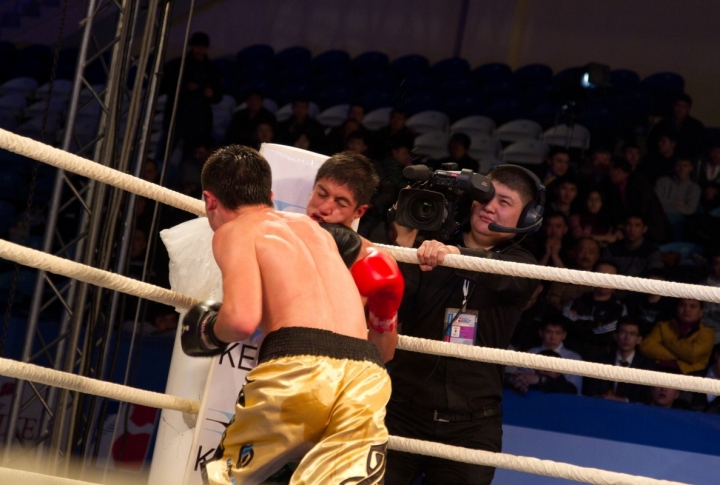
pixel 30 148
pixel 10 475
pixel 87 274
pixel 73 163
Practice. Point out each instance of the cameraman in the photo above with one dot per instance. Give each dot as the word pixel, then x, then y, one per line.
pixel 451 400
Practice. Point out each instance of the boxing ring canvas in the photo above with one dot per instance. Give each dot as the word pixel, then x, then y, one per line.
pixel 184 441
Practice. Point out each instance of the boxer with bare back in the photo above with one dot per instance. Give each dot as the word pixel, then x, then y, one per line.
pixel 319 391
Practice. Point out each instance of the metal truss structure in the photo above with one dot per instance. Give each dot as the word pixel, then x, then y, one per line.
pixel 111 125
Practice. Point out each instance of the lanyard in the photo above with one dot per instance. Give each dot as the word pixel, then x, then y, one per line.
pixel 465 289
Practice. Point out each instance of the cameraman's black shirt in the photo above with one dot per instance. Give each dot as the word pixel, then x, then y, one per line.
pixel 427 382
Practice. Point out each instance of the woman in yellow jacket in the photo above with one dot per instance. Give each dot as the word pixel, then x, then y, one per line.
pixel 684 342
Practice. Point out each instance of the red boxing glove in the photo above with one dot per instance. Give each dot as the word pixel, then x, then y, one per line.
pixel 378 278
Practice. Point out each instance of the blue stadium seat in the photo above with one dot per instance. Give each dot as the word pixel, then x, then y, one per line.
pixel 331 60
pixel 662 88
pixel 334 115
pixel 372 61
pixel 225 66
pixel 567 75
pixel 410 64
pixel 458 85
pixel 334 77
pixel 293 91
pixel 295 73
pixel 335 95
pixel 262 86
pixel 537 93
pixel 517 130
pixel 255 54
pixel 38 52
pixel 8 121
pixel 532 75
pixel 376 80
pixel 24 86
pixel 13 103
pixel 259 70
pixel 499 89
pixel 545 113
pixel 418 101
pixel 664 83
pixel 633 103
pixel 294 56
pixel 505 109
pixel 417 82
pixel 449 67
pixel 376 99
pixel 464 105
pixel 493 72
pixel 429 121
pixel 599 116
pixel 624 80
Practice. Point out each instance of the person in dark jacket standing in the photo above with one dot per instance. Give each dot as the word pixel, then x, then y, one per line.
pixel 451 400
pixel 201 87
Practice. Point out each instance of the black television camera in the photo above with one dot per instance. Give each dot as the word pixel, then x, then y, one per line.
pixel 432 203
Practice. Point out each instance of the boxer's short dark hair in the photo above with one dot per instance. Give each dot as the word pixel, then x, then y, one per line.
pixel 355 171
pixel 238 175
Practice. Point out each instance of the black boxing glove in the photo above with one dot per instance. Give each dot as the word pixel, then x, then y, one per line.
pixel 347 240
pixel 197 337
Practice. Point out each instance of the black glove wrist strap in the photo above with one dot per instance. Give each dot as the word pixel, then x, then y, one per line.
pixel 208 334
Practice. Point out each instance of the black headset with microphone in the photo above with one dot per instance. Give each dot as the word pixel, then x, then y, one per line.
pixel 531 216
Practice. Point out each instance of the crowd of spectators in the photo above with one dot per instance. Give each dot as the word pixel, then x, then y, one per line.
pixel 611 210
pixel 643 206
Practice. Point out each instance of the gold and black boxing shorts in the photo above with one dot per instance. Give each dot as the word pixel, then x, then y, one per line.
pixel 315 397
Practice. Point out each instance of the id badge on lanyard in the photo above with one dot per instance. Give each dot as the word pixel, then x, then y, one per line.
pixel 460 323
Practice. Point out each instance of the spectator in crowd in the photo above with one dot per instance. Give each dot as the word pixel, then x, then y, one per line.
pixel 565 191
pixel 264 133
pixel 300 121
pixel 391 170
pixel 633 255
pixel 552 334
pixel 188 180
pixel 244 122
pixel 386 137
pixel 445 399
pixel 458 147
pixel 586 254
pixel 338 137
pixel 593 220
pixel 201 86
pixel 542 380
pixel 551 244
pixel 664 397
pixel 627 337
pixel 648 309
pixel 358 142
pixel 302 140
pixel 631 192
pixel 691 133
pixel 708 177
pixel 709 403
pixel 679 194
pixel 596 174
pixel 594 317
pixel 150 171
pixel 660 162
pixel 535 312
pixel 631 153
pixel 683 343
pixel 711 310
pixel 556 165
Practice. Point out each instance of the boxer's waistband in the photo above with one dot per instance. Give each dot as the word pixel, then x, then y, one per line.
pixel 295 341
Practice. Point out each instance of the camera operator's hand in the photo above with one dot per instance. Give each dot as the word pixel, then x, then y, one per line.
pixel 405 236
pixel 432 253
